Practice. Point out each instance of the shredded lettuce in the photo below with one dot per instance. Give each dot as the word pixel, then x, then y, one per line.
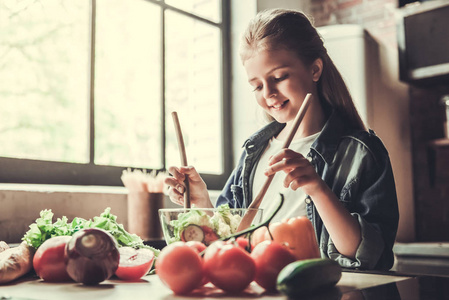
pixel 223 222
pixel 194 216
pixel 44 228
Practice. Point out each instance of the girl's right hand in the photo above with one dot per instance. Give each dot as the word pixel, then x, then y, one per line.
pixel 199 195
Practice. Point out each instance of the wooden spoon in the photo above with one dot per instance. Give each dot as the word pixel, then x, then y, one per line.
pixel 250 214
pixel 182 152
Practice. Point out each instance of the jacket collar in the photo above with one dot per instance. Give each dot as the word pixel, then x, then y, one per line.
pixel 325 145
pixel 327 142
pixel 262 136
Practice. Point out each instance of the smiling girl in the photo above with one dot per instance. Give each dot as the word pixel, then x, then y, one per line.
pixel 335 171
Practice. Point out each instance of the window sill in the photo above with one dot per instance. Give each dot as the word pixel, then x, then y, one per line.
pixel 53 188
pixel 49 188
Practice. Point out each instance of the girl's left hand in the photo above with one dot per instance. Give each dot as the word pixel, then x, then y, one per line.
pixel 300 172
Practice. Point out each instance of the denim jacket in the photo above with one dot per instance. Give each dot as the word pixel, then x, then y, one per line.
pixel 356 166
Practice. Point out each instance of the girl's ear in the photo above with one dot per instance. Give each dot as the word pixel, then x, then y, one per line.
pixel 317 69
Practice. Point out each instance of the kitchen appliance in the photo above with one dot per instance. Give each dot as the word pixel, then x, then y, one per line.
pixel 423 43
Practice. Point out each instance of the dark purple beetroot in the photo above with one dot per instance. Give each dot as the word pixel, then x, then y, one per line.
pixel 91 256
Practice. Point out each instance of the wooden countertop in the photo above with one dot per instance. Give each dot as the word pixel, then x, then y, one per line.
pixel 150 287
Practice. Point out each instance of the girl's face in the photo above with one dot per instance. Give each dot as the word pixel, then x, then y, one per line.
pixel 281 81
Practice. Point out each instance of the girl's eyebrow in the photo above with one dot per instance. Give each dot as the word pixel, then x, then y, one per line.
pixel 272 70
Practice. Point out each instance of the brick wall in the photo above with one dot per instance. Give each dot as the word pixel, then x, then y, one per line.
pixel 377 16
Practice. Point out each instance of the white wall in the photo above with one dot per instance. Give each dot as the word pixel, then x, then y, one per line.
pixel 292 4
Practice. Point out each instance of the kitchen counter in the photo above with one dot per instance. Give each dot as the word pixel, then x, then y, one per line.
pixel 353 285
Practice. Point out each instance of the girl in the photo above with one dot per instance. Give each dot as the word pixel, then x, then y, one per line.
pixel 335 171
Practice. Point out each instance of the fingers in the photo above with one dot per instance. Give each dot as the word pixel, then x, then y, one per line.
pixel 179 176
pixel 176 185
pixel 172 183
pixel 295 182
pixel 299 171
pixel 176 173
pixel 191 172
pixel 175 196
pixel 180 172
pixel 284 153
pixel 286 160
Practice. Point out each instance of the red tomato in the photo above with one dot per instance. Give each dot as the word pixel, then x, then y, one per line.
pixel 228 266
pixel 209 235
pixel 244 243
pixel 134 264
pixel 270 258
pixel 180 267
pixel 199 247
pixel 48 261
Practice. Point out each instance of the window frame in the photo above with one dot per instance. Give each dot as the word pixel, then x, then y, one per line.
pixel 15 170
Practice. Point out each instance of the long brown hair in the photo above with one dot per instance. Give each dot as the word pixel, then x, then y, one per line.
pixel 276 29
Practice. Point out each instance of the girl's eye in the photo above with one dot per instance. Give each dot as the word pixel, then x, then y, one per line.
pixel 257 88
pixel 278 79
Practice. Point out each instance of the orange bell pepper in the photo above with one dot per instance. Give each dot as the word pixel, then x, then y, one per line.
pixel 296 233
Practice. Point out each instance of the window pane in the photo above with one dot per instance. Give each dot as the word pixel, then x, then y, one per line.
pixel 193 89
pixel 44 80
pixel 209 9
pixel 128 84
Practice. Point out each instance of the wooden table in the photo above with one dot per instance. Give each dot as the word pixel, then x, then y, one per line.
pixel 351 286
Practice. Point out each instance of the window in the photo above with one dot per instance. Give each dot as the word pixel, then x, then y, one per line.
pixel 88 88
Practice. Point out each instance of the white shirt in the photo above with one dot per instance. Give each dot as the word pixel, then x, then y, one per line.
pixel 294 201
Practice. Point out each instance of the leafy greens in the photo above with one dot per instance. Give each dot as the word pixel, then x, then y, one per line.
pixel 44 228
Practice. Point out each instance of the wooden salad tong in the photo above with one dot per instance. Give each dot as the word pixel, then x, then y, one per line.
pixel 250 214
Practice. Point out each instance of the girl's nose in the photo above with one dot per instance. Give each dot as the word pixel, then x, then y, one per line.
pixel 269 91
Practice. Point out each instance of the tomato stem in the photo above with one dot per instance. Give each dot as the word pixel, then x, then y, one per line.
pixel 269 233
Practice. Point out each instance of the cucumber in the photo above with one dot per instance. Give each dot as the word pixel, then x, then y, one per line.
pixel 307 276
pixel 192 233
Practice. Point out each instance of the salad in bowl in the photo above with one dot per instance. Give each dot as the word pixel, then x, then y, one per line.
pixel 202 224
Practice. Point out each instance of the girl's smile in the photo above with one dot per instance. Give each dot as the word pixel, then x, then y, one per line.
pixel 279 106
pixel 280 82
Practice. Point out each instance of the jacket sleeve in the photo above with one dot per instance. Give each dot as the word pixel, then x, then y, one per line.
pixel 372 201
pixel 232 193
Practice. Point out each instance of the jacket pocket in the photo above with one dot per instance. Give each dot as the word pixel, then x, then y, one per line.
pixel 237 195
pixel 347 193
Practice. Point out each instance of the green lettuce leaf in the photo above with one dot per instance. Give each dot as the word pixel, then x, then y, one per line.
pixel 44 228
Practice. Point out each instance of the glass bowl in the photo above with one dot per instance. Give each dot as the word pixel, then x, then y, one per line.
pixel 202 224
